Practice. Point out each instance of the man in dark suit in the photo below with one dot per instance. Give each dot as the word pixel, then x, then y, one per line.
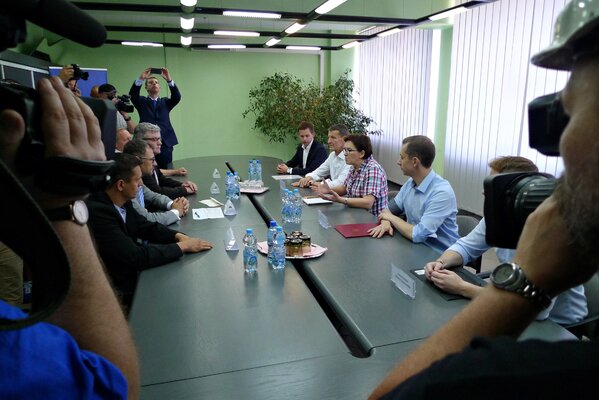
pixel 156 110
pixel 119 230
pixel 309 154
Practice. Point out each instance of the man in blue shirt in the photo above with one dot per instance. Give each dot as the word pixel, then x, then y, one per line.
pixel 426 199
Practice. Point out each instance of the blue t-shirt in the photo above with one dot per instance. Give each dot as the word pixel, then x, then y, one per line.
pixel 43 361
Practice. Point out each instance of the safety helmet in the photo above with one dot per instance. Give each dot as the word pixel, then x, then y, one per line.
pixel 576 21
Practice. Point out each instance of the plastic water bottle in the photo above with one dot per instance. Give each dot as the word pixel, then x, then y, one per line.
pixel 286 206
pixel 279 249
pixel 236 187
pixel 250 251
pixel 296 201
pixel 270 241
pixel 258 172
pixel 251 172
pixel 229 185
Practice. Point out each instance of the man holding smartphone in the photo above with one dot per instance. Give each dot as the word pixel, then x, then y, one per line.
pixel 156 109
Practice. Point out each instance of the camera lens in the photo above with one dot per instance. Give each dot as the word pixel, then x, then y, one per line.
pixel 529 193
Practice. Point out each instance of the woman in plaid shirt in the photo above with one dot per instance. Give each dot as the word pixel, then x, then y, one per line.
pixel 366 184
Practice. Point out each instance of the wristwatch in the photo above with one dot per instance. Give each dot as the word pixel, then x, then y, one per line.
pixel 76 212
pixel 511 277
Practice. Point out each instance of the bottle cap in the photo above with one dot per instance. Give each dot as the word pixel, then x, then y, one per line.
pixel 249 231
pixel 273 224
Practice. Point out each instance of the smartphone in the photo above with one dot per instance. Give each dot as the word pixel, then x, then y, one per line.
pixel 156 71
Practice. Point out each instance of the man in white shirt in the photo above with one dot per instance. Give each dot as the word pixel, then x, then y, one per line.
pixel 309 153
pixel 334 166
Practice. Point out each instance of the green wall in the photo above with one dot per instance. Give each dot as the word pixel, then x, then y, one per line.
pixel 214 87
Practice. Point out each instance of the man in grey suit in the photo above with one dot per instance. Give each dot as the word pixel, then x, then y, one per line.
pixel 155 207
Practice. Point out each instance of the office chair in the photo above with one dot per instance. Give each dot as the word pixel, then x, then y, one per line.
pixel 589 326
pixel 466 224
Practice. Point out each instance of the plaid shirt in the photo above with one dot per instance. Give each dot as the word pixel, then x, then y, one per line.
pixel 369 179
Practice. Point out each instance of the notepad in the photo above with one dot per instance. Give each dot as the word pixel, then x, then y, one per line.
pixel 310 200
pixel 355 230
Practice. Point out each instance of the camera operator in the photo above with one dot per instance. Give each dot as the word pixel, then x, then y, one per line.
pixel 72 86
pixel 86 349
pixel 122 104
pixel 557 250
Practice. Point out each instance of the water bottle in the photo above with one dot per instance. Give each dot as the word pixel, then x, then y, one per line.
pixel 270 241
pixel 258 172
pixel 250 172
pixel 296 201
pixel 250 251
pixel 286 206
pixel 229 185
pixel 279 249
pixel 236 187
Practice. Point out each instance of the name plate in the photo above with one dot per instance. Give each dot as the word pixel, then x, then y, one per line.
pixel 403 282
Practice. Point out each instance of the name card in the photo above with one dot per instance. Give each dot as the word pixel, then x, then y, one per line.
pixel 403 282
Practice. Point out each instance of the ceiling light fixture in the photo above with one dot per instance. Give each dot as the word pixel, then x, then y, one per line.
pixel 328 6
pixel 251 14
pixel 303 48
pixel 363 31
pixel 185 40
pixel 226 46
pixel 187 23
pixel 237 33
pixel 188 6
pixel 350 44
pixel 272 42
pixel 142 44
pixel 448 13
pixel 389 32
pixel 294 28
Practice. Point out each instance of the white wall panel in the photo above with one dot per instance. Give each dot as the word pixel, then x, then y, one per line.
pixel 491 83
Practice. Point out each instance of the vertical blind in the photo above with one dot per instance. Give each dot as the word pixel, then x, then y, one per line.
pixel 393 78
pixel 491 83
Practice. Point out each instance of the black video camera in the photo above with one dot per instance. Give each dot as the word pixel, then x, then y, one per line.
pixel 78 73
pixel 510 198
pixel 124 104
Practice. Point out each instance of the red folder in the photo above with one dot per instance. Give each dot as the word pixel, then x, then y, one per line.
pixel 355 230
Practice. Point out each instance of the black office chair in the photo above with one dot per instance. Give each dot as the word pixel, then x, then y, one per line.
pixel 589 326
pixel 466 224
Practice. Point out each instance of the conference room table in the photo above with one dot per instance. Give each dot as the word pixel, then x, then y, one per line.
pixel 206 329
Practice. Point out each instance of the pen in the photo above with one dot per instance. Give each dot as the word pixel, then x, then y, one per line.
pixel 216 201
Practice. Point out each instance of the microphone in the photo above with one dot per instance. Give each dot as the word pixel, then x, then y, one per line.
pixel 60 17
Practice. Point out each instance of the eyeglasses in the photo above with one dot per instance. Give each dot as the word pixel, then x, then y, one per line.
pixel 346 150
pixel 146 158
pixel 153 139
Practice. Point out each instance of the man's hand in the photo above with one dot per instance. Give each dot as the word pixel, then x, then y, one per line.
pixel 190 186
pixel 380 230
pixel 179 205
pixel 145 73
pixel 180 171
pixel 447 281
pixel 66 73
pixel 385 215
pixel 166 75
pixel 191 245
pixel 305 181
pixel 282 168
pixel 432 266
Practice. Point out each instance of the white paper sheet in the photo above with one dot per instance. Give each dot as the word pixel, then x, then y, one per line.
pixel 207 213
pixel 281 177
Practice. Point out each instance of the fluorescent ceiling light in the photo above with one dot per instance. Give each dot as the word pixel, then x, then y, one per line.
pixel 185 40
pixel 389 32
pixel 328 6
pixel 226 46
pixel 294 28
pixel 361 32
pixel 350 44
pixel 189 3
pixel 141 44
pixel 304 48
pixel 447 13
pixel 272 42
pixel 251 14
pixel 237 33
pixel 187 23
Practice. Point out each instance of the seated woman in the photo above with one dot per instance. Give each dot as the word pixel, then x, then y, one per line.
pixel 366 184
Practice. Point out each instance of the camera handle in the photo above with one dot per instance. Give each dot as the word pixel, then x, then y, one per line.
pixel 27 231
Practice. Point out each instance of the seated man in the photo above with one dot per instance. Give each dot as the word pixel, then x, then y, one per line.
pixel 119 230
pixel 334 166
pixel 309 154
pixel 122 138
pixel 567 308
pixel 167 211
pixel 157 182
pixel 427 200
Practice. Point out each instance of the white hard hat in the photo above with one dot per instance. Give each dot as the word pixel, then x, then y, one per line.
pixel 578 19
